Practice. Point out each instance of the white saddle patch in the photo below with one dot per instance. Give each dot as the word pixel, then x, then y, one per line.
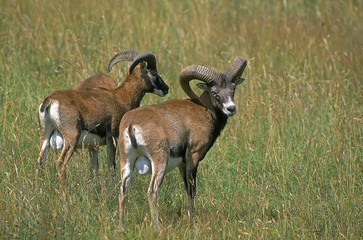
pixel 142 165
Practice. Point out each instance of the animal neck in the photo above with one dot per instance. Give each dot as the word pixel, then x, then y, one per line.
pixel 205 100
pixel 132 89
pixel 219 118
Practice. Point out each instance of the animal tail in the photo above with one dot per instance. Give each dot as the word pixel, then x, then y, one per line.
pixel 45 104
pixel 132 136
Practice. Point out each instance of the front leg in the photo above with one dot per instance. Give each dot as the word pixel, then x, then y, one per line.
pixel 93 155
pixel 111 152
pixel 190 179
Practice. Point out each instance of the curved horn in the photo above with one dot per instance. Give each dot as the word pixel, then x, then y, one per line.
pixel 144 56
pixel 202 73
pixel 235 68
pixel 127 55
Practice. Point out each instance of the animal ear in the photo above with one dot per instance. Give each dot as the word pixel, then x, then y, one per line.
pixel 239 81
pixel 143 66
pixel 202 86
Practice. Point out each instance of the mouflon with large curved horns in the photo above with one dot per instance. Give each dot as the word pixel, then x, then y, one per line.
pixel 177 133
pixel 91 118
pixel 210 77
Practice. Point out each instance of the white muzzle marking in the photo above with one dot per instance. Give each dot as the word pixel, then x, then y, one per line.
pixel 229 105
pixel 159 92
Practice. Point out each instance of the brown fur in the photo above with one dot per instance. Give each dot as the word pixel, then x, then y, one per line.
pixel 97 81
pixel 96 110
pixel 178 128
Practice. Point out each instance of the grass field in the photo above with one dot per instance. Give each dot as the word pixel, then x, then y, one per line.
pixel 287 166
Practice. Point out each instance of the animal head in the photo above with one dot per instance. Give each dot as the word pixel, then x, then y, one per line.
pixel 148 69
pixel 220 87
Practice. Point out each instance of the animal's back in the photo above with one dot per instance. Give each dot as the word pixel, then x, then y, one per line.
pixel 188 124
pixel 97 81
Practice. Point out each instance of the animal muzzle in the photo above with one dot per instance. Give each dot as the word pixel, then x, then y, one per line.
pixel 161 88
pixel 229 108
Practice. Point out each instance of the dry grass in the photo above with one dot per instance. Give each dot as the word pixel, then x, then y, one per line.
pixel 288 165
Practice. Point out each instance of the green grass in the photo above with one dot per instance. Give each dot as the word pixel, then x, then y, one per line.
pixel 287 166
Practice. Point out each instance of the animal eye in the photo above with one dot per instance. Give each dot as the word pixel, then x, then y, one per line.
pixel 215 95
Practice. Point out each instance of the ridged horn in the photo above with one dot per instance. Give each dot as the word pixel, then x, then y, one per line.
pixel 127 55
pixel 235 69
pixel 198 72
pixel 144 56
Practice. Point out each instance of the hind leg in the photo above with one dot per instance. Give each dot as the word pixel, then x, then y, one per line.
pixel 127 164
pixel 159 159
pixel 158 173
pixel 44 145
pixel 126 173
pixel 70 143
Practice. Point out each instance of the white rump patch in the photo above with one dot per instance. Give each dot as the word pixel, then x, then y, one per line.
pixel 48 123
pixel 41 117
pixel 54 112
pixel 141 156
